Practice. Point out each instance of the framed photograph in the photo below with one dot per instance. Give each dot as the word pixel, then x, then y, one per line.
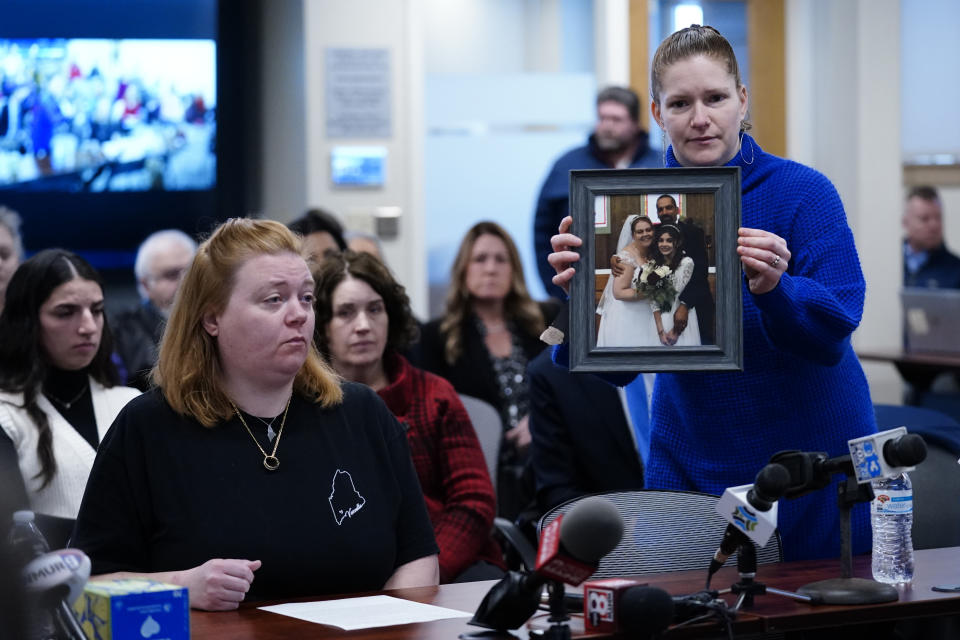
pixel 671 234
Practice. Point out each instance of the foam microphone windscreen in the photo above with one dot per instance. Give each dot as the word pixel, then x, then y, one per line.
pixel 905 451
pixel 591 529
pixel 645 611
pixel 770 485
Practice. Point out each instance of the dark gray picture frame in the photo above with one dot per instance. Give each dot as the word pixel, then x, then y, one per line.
pixel 726 354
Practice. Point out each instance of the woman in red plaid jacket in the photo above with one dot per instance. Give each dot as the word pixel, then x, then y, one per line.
pixel 363 323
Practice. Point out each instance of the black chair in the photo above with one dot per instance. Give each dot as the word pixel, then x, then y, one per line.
pixel 936 480
pixel 665 531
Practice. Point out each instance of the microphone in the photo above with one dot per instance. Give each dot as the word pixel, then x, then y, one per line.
pixel 880 455
pixel 886 454
pixel 633 608
pixel 751 511
pixel 570 550
pixel 56 579
pixel 572 545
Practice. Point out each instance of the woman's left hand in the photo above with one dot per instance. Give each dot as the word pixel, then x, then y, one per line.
pixel 764 257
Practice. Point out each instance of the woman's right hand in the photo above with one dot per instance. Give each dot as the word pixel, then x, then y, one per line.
pixel 218 585
pixel 563 255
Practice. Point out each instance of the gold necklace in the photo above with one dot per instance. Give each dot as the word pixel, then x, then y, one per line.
pixel 270 460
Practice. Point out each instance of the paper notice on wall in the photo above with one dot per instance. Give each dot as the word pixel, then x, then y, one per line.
pixel 358 93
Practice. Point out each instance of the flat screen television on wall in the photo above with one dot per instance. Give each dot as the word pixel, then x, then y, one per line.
pixel 112 122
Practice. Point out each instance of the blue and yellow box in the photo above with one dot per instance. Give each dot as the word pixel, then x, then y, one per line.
pixel 134 608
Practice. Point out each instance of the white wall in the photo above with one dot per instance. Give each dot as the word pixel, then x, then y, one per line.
pixel 843 91
pixel 284 166
pixel 931 65
pixel 297 151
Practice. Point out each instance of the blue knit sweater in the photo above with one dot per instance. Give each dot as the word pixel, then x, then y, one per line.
pixel 801 387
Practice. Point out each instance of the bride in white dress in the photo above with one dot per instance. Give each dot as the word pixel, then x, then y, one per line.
pixel 668 242
pixel 626 319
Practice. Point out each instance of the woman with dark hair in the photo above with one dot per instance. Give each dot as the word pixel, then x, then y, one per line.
pixel 488 333
pixel 58 392
pixel 364 322
pixel 668 241
pixel 251 469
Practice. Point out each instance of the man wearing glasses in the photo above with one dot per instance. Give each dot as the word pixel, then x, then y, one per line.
pixel 162 259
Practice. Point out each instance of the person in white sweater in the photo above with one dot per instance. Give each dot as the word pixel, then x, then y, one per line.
pixel 58 385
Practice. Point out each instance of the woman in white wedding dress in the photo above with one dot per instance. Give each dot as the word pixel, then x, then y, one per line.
pixel 626 319
pixel 668 241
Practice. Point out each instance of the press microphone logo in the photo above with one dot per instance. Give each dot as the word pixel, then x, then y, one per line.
pixel 344 499
pixel 744 518
pixel 599 605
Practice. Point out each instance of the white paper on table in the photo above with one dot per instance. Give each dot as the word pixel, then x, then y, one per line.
pixel 366 612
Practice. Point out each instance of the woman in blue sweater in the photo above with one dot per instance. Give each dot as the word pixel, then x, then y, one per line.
pixel 802 386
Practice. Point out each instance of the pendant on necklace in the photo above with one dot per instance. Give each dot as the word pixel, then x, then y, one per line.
pixel 272 463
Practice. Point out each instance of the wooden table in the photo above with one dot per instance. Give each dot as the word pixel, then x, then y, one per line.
pixel 919 370
pixel 770 612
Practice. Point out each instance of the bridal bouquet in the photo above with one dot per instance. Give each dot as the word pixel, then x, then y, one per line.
pixel 654 284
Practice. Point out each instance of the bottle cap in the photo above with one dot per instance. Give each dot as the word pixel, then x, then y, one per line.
pixel 23 516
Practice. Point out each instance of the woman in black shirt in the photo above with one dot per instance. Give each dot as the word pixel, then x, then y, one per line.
pixel 251 452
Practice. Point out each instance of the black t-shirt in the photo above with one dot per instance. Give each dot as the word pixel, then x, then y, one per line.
pixel 341 513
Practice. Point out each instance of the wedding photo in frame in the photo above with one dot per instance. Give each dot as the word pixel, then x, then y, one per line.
pixel 672 233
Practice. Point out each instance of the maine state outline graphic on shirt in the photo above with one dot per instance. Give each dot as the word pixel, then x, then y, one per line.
pixel 345 500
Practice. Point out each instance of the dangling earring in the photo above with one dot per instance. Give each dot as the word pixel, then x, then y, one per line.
pixel 745 161
pixel 663 144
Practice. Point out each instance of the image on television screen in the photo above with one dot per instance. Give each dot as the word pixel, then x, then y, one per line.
pixel 98 115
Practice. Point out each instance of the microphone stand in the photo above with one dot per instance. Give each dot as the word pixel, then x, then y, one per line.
pixel 559 629
pixel 748 587
pixel 846 589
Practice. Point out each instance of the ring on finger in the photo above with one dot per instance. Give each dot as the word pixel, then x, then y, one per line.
pixel 775 262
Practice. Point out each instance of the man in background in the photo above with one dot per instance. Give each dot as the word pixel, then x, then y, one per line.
pixel 322 233
pixel 11 248
pixel 161 261
pixel 363 242
pixel 617 142
pixel 926 260
pixel 587 436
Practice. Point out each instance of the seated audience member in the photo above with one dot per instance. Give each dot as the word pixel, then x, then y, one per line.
pixel 322 233
pixel 58 393
pixel 11 248
pixel 161 261
pixel 926 260
pixel 363 242
pixel 582 440
pixel 488 333
pixel 250 467
pixel 363 323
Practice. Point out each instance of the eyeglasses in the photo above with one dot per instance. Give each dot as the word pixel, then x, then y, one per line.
pixel 170 275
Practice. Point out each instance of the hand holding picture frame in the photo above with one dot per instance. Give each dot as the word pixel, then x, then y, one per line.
pixel 658 285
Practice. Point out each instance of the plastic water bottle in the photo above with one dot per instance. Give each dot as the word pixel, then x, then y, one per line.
pixel 25 540
pixel 891 513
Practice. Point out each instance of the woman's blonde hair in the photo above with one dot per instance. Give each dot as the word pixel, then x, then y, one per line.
pixel 518 306
pixel 188 367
